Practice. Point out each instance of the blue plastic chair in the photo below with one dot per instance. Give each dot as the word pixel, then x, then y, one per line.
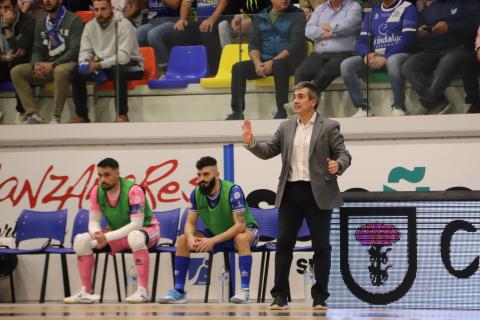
pixel 32 225
pixel 168 231
pixel 186 64
pixel 267 220
pixel 80 225
pixel 6 86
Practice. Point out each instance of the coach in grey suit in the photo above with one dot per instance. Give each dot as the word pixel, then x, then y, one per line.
pixel 313 154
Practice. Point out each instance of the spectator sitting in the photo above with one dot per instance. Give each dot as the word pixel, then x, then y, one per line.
pixel 308 6
pixel 444 25
pixel 34 8
pixel 470 67
pixel 276 47
pixel 130 9
pixel 154 33
pixel 16 44
pixel 97 59
pixel 240 23
pixel 55 54
pixel 203 31
pixel 334 28
pixel 474 101
pixel 392 33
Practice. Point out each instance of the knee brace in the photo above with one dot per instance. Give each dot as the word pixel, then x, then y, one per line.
pixel 137 240
pixel 82 244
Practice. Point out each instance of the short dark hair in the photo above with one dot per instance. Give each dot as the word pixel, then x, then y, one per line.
pixel 206 162
pixel 13 2
pixel 313 91
pixel 108 162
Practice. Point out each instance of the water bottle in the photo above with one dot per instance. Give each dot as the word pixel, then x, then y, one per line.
pixel 131 281
pixel 308 278
pixel 223 280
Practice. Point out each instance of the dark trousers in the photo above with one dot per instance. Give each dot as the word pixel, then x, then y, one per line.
pixel 242 71
pixel 5 77
pixel 79 87
pixel 298 203
pixel 470 71
pixel 321 68
pixel 193 36
pixel 442 65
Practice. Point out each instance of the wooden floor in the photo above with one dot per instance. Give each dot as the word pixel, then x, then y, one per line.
pixel 214 311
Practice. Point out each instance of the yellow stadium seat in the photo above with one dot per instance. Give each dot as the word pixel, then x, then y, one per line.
pixel 230 56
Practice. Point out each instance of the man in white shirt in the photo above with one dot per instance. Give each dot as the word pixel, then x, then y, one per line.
pixel 97 56
pixel 313 154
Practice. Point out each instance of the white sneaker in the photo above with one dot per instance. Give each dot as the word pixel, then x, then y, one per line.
pixel 55 120
pixel 20 118
pixel 242 296
pixel 397 112
pixel 362 113
pixel 140 296
pixel 82 297
pixel 33 119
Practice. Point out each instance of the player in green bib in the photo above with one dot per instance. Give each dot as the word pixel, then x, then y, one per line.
pixel 221 206
pixel 131 226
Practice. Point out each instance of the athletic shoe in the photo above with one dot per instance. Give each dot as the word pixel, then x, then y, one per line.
pixel 140 296
pixel 122 118
pixel 242 296
pixel 174 296
pixel 33 119
pixel 55 120
pixel 397 112
pixel 280 114
pixel 319 304
pixel 279 303
pixel 234 116
pixel 362 113
pixel 79 120
pixel 20 118
pixel 82 297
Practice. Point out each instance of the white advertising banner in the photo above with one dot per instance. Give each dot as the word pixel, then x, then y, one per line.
pixel 47 178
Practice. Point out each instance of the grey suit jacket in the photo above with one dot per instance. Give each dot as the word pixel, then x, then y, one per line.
pixel 326 142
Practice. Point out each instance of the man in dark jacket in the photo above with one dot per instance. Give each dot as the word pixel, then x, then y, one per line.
pixel 55 54
pixel 16 43
pixel 444 25
pixel 276 47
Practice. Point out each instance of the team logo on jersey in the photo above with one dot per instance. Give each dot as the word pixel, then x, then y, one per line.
pixel 378 252
pixel 376 16
pixel 453 11
pixel 383 29
pixel 236 195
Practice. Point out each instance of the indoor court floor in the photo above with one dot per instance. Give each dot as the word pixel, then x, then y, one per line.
pixel 214 311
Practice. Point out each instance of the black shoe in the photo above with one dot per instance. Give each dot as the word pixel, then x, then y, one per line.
pixel 438 108
pixel 280 114
pixel 279 303
pixel 234 116
pixel 319 304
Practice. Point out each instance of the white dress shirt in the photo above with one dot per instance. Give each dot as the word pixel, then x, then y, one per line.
pixel 299 170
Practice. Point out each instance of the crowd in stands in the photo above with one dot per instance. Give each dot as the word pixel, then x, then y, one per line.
pixel 426 43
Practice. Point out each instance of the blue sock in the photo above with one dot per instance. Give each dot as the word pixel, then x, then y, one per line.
pixel 245 266
pixel 181 268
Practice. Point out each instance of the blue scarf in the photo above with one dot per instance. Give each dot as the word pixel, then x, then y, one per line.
pixel 52 38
